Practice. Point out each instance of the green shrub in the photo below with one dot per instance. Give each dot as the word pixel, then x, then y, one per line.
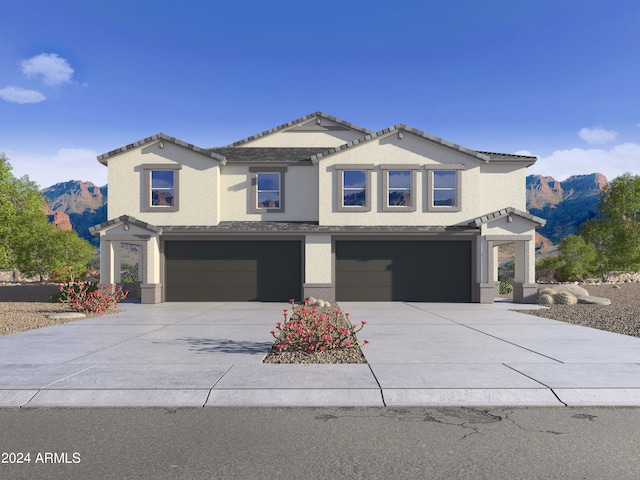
pixel 506 284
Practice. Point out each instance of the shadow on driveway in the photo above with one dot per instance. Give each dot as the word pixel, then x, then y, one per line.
pixel 211 345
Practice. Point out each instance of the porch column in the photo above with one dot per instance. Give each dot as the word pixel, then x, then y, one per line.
pixel 150 288
pixel 318 262
pixel 525 289
pixel 490 288
pixel 109 261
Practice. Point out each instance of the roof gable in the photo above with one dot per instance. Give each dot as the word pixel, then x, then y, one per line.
pixel 402 129
pixel 506 212
pixel 158 137
pixel 309 123
pixel 125 221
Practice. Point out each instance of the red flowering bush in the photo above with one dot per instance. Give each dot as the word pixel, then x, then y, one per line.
pixel 310 329
pixel 87 298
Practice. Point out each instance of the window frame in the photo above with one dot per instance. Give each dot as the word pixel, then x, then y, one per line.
pixel 340 169
pixel 458 169
pixel 254 172
pixel 412 188
pixel 147 187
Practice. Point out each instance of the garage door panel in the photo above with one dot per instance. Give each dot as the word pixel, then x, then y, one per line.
pixel 365 265
pixel 370 279
pixel 233 270
pixel 428 271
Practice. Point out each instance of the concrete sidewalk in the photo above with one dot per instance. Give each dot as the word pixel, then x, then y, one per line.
pixel 209 354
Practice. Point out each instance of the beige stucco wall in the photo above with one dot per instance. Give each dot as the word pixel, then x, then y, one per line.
pixel 317 252
pixel 302 135
pixel 503 186
pixel 198 193
pixel 409 150
pixel 300 195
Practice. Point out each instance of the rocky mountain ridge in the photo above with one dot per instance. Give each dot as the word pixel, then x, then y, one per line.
pixel 78 205
pixel 564 205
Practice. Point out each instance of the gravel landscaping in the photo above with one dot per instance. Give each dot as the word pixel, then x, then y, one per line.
pixel 622 316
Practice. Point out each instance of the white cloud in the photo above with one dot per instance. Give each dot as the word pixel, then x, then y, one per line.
pixel 612 163
pixel 597 135
pixel 20 95
pixel 53 69
pixel 66 164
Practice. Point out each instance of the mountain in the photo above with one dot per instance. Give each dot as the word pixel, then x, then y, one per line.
pixel 78 204
pixel 564 205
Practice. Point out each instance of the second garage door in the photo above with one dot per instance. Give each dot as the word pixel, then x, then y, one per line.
pixel 420 271
pixel 223 271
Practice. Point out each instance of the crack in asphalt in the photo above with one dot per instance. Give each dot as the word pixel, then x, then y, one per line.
pixel 470 419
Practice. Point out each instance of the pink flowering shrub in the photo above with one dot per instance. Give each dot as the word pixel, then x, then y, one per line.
pixel 87 298
pixel 310 329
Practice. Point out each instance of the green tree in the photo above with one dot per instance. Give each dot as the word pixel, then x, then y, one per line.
pixel 20 203
pixel 28 241
pixel 577 257
pixel 616 233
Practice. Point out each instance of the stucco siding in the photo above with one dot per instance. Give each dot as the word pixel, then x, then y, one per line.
pixel 503 186
pixel 327 134
pixel 300 195
pixel 317 251
pixel 198 183
pixel 390 150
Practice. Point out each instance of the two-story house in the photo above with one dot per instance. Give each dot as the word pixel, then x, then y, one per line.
pixel 318 207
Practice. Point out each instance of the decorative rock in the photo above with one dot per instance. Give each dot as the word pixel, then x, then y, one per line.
pixel 67 316
pixel 572 288
pixel 594 300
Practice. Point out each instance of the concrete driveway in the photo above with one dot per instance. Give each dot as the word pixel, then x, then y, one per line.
pixel 209 354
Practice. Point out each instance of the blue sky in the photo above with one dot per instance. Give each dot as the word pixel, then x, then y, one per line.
pixel 556 78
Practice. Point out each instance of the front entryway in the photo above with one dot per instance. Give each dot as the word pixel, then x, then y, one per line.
pixel 420 271
pixel 236 271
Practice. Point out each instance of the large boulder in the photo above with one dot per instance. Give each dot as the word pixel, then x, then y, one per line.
pixel 594 300
pixel 572 288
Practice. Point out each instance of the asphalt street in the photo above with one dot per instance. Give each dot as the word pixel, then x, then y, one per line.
pixel 320 443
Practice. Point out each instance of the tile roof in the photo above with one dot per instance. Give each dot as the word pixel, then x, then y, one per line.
pixel 292 123
pixel 157 137
pixel 253 155
pixel 294 155
pixel 306 227
pixel 480 156
pixel 490 217
pixel 95 230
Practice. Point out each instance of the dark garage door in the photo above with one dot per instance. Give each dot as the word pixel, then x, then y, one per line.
pixel 235 271
pixel 419 271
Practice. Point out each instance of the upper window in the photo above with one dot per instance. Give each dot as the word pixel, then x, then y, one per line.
pixel 267 192
pixel 354 187
pixel 161 187
pixel 399 187
pixel 444 187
